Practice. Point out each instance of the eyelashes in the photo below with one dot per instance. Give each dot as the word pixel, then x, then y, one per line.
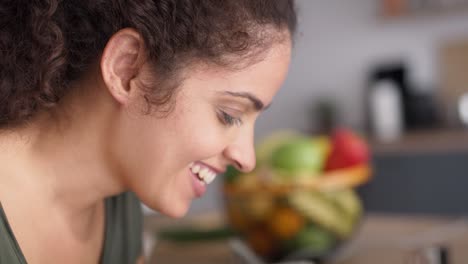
pixel 228 119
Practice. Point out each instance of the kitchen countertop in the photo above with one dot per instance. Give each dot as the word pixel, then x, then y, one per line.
pixel 395 238
pixel 381 238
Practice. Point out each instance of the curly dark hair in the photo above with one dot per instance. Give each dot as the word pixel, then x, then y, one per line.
pixel 45 45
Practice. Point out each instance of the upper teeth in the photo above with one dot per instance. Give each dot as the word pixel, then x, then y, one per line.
pixel 196 169
pixel 204 174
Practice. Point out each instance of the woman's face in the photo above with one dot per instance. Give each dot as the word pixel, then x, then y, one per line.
pixel 211 126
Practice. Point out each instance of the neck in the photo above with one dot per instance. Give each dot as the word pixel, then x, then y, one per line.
pixel 64 163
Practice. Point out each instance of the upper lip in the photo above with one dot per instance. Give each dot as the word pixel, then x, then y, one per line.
pixel 218 171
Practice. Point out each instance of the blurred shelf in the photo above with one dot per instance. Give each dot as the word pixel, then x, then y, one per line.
pixel 397 9
pixel 424 142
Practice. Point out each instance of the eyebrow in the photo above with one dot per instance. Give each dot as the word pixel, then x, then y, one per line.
pixel 257 103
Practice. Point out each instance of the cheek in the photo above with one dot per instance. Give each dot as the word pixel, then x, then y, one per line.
pixel 198 132
pixel 139 145
pixel 154 155
pixel 151 158
pixel 204 138
pixel 153 168
pixel 203 146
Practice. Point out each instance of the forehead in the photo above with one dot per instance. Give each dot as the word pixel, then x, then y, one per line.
pixel 262 78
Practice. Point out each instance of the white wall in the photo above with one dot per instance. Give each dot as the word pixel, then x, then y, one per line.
pixel 337 43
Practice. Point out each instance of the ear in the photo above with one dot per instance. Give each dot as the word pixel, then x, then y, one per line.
pixel 122 61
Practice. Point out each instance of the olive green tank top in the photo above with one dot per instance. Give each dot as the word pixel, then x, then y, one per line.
pixel 123 233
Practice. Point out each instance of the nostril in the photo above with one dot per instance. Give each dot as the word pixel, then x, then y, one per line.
pixel 241 158
pixel 244 167
pixel 238 165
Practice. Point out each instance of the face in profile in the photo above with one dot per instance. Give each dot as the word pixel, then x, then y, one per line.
pixel 170 161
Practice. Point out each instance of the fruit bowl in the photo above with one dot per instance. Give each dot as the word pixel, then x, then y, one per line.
pixel 299 204
pixel 301 220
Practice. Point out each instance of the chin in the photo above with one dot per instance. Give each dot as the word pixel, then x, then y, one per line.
pixel 175 213
pixel 173 210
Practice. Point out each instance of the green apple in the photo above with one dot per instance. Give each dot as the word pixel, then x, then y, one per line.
pixel 299 155
pixel 265 148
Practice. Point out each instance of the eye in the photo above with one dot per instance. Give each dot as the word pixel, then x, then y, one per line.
pixel 228 119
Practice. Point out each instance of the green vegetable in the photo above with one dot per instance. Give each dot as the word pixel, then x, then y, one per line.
pixel 314 240
pixel 231 174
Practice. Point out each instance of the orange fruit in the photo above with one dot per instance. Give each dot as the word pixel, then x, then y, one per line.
pixel 285 223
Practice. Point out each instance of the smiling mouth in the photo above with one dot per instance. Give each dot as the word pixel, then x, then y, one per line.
pixel 203 173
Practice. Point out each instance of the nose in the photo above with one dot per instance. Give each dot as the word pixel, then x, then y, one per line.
pixel 241 153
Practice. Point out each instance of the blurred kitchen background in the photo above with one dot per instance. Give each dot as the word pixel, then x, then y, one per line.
pixel 396 71
pixel 343 52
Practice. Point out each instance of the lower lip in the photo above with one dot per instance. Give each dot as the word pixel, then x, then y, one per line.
pixel 198 186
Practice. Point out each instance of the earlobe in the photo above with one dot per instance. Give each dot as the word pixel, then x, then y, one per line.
pixel 121 61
